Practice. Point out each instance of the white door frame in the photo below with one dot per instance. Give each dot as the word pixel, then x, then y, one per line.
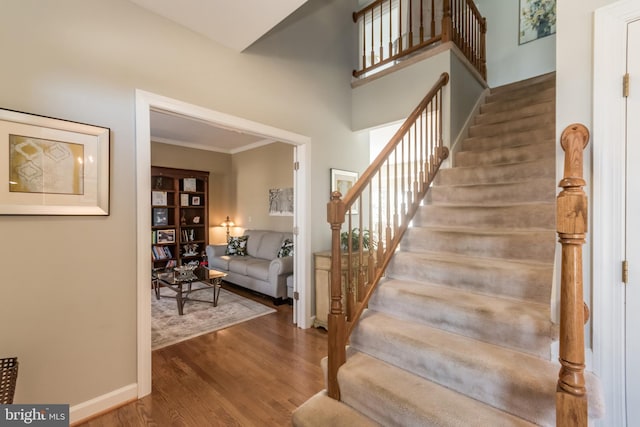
pixel 610 36
pixel 145 101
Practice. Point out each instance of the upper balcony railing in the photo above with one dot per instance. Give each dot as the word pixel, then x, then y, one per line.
pixel 392 29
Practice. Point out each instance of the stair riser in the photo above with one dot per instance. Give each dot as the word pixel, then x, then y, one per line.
pixel 518 125
pixel 511 103
pixel 534 401
pixel 513 139
pixel 494 194
pixel 498 174
pixel 522 331
pixel 529 92
pixel 548 79
pixel 526 283
pixel 534 246
pixel 546 107
pixel 396 398
pixel 524 153
pixel 505 217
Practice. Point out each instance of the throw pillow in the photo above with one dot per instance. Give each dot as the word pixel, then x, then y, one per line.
pixel 286 249
pixel 237 246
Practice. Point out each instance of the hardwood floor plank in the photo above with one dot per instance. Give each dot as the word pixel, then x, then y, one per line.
pixel 251 374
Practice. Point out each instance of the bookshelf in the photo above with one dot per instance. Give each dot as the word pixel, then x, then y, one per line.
pixel 179 216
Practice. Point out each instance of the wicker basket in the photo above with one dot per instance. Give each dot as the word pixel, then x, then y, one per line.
pixel 8 378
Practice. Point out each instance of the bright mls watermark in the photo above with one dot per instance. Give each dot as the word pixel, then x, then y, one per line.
pixel 34 415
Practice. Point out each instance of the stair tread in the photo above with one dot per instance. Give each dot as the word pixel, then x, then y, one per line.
pixel 499 376
pixel 520 110
pixel 428 404
pixel 321 410
pixel 453 258
pixel 494 104
pixel 484 317
pixel 485 231
pixel 498 184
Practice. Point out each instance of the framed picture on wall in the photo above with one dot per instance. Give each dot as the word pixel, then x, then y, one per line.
pixel 537 19
pixel 53 166
pixel 342 181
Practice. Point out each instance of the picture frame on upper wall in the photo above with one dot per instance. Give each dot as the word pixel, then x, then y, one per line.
pixel 537 20
pixel 342 181
pixel 54 166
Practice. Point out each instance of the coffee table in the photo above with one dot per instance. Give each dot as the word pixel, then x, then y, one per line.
pixel 184 286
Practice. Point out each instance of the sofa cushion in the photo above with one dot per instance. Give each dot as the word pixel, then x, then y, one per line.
pixel 238 265
pixel 270 245
pixel 255 237
pixel 258 268
pixel 286 249
pixel 219 262
pixel 237 246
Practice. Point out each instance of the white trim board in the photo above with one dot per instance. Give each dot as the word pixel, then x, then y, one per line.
pixel 104 403
pixel 610 26
pixel 145 101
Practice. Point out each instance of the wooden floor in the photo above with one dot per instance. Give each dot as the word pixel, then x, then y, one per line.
pixel 251 374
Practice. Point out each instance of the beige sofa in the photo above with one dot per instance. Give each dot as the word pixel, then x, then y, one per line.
pixel 261 269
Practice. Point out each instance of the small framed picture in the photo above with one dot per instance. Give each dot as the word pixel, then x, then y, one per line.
pixel 160 216
pixel 189 184
pixel 195 200
pixel 158 198
pixel 167 236
pixel 342 181
pixel 184 200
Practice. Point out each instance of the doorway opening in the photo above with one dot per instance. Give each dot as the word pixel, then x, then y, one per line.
pixel 145 103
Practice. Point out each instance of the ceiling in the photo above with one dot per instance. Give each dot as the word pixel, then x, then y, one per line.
pixel 235 24
pixel 171 128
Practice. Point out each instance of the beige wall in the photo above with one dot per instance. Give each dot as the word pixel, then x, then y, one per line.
pixel 71 318
pixel 221 200
pixel 254 173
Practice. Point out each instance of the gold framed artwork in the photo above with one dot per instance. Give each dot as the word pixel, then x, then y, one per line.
pixel 342 181
pixel 55 167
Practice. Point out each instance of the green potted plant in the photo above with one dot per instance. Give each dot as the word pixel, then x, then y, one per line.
pixel 367 242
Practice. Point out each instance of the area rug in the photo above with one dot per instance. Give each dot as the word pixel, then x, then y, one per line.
pixel 167 327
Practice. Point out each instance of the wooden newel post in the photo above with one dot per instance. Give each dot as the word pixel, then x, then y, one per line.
pixel 336 319
pixel 571 393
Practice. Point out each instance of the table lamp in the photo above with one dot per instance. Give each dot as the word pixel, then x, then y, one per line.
pixel 227 223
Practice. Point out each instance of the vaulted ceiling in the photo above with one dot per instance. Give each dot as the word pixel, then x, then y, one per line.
pixel 235 24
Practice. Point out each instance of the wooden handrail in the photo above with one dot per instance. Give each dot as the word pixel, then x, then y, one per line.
pixel 380 205
pixel 383 34
pixel 571 393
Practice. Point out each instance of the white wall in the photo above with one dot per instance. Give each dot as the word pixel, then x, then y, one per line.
pixel 72 280
pixel 506 60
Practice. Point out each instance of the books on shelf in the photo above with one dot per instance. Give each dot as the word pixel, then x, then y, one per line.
pixel 188 235
pixel 161 252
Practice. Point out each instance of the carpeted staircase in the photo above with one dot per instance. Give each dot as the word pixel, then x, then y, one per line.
pixel 459 332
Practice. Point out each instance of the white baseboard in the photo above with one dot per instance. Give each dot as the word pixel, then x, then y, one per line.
pixel 102 403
